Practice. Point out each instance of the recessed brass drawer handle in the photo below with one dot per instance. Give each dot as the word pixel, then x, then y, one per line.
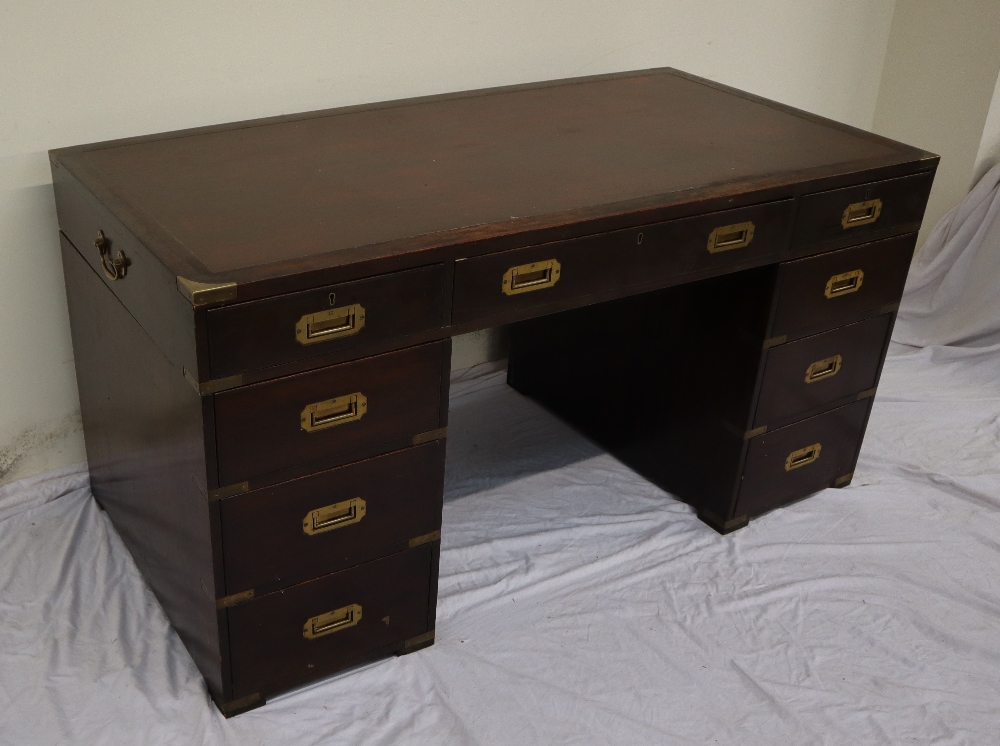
pixel 114 269
pixel 728 237
pixel 334 516
pixel 332 621
pixel 332 324
pixel 802 457
pixel 828 367
pixel 848 282
pixel 528 277
pixel 333 412
pixel 861 213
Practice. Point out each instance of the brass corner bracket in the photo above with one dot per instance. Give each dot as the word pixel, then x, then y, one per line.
pixel 202 293
pixel 213 386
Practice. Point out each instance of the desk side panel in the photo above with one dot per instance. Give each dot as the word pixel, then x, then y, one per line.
pixel 145 441
pixel 148 290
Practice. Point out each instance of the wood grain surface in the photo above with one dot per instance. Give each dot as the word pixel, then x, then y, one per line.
pixel 257 201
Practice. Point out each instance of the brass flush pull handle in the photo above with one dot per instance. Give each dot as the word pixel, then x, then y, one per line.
pixel 332 324
pixel 802 457
pixel 848 282
pixel 826 368
pixel 528 277
pixel 333 412
pixel 115 268
pixel 861 213
pixel 728 237
pixel 332 621
pixel 334 516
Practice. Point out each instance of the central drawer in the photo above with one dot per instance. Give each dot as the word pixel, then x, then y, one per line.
pixel 331 415
pixel 509 283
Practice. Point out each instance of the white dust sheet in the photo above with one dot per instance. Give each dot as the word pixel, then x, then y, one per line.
pixel 579 604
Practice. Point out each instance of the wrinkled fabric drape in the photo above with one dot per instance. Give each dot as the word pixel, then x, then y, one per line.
pixel 953 290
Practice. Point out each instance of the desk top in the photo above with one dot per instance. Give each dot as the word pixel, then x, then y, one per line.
pixel 391 183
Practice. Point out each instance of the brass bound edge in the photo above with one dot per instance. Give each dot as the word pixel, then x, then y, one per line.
pixel 202 293
pixel 239 704
pixel 416 541
pixel 430 435
pixel 214 386
pixel 228 491
pixel 775 341
pixel 866 394
pixel 236 598
pixel 419 639
pixel 889 308
pixel 726 526
pixel 841 481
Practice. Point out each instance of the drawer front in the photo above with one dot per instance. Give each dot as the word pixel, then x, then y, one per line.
pixel 311 630
pixel 312 526
pixel 808 373
pixel 329 413
pixel 335 319
pixel 785 465
pixel 510 282
pixel 830 289
pixel 843 217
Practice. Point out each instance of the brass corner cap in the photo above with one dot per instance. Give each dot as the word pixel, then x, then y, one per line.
pixel 200 293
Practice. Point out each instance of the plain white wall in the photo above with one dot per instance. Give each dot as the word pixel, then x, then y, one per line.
pixel 74 72
pixel 989 146
pixel 940 71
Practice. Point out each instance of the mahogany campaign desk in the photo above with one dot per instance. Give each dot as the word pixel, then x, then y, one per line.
pixel 701 280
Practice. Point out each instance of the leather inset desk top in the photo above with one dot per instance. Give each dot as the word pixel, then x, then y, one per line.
pixel 240 201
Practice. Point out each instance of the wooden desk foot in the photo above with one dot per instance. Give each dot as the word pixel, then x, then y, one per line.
pixel 241 705
pixel 724 527
pixel 417 643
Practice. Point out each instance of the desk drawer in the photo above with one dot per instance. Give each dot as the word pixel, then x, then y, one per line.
pixel 312 526
pixel 842 217
pixel 334 319
pixel 794 461
pixel 329 413
pixel 833 288
pixel 806 374
pixel 368 611
pixel 509 282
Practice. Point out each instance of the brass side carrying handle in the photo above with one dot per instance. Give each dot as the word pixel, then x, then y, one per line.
pixel 334 516
pixel 727 237
pixel 843 284
pixel 331 621
pixel 803 457
pixel 333 412
pixel 828 367
pixel 332 324
pixel 114 269
pixel 861 213
pixel 526 278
